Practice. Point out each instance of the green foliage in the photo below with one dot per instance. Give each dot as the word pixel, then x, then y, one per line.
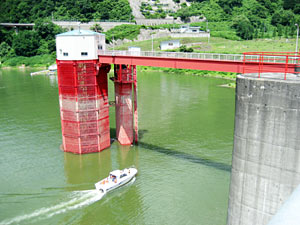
pixel 283 17
pixel 46 29
pixel 113 10
pixel 123 31
pixel 4 49
pixel 26 43
pixel 210 9
pixel 205 73
pixel 41 40
pixel 244 28
pixel 39 60
pixel 97 28
pixel 259 16
pixel 165 26
pixel 183 48
pixel 228 5
pixel 82 10
pixel 150 13
pixel 230 35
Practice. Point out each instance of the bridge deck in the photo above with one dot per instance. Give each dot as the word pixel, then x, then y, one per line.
pixel 199 61
pixel 17 24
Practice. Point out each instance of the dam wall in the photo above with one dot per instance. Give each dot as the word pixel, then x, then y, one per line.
pixel 266 154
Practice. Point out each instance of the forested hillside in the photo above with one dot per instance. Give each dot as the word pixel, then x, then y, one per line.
pixel 84 10
pixel 247 17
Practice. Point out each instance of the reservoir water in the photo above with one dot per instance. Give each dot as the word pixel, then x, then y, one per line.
pixel 183 157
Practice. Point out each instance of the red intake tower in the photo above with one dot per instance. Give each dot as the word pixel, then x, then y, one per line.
pixel 84 106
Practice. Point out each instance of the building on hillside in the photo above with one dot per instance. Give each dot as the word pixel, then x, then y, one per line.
pixel 171 44
pixel 187 31
pixel 134 50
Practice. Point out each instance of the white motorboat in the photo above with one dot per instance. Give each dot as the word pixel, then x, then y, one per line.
pixel 116 179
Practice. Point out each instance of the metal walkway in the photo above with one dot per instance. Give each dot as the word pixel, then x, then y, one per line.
pixel 204 61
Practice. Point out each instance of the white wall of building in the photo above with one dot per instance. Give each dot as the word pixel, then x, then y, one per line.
pixel 165 45
pixel 79 47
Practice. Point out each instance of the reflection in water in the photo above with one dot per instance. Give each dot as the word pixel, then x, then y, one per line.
pixel 86 169
pixel 127 156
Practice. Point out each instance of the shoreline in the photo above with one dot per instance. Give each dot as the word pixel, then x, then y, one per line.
pixel 23 67
pixel 200 73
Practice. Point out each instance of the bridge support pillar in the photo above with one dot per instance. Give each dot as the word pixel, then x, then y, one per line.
pixel 126 115
pixel 266 154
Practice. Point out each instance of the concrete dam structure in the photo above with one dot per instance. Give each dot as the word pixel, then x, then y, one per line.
pixel 266 154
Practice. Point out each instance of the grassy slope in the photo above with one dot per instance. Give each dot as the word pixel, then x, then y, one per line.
pixel 221 45
pixel 34 61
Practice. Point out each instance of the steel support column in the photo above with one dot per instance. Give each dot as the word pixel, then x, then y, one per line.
pixel 125 81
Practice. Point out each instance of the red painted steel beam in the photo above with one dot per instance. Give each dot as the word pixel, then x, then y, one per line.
pixel 124 78
pixel 196 64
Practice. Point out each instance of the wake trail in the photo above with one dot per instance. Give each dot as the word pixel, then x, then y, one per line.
pixel 79 199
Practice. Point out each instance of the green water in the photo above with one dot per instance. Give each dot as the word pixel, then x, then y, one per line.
pixel 183 158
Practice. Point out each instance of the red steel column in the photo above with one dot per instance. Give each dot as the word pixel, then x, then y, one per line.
pixel 103 113
pixel 135 105
pixel 124 78
pixel 83 105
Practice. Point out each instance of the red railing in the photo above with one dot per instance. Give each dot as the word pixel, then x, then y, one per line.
pixel 271 62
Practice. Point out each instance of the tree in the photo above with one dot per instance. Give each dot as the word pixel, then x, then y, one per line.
pixel 228 5
pixel 279 29
pixel 4 49
pixel 276 18
pixel 26 43
pixel 274 32
pixel 243 27
pixel 183 48
pixel 96 28
pixel 46 30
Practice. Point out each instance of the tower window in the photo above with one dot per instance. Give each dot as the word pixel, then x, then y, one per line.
pixel 84 53
pixel 66 53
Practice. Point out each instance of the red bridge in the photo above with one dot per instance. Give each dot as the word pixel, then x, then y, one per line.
pixel 257 62
pixel 83 89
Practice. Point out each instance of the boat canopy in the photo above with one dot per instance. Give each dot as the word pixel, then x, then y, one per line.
pixel 116 173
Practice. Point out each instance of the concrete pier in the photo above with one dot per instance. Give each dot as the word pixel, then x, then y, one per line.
pixel 266 154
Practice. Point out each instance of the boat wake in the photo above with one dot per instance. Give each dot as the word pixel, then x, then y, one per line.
pixel 78 199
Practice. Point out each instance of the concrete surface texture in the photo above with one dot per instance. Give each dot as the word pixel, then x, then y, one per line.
pixel 266 154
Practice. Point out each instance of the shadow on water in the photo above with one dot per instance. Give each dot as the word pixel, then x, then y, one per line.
pixel 180 155
pixel 185 156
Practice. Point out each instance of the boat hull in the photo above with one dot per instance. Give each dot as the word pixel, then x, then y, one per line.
pixel 108 184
